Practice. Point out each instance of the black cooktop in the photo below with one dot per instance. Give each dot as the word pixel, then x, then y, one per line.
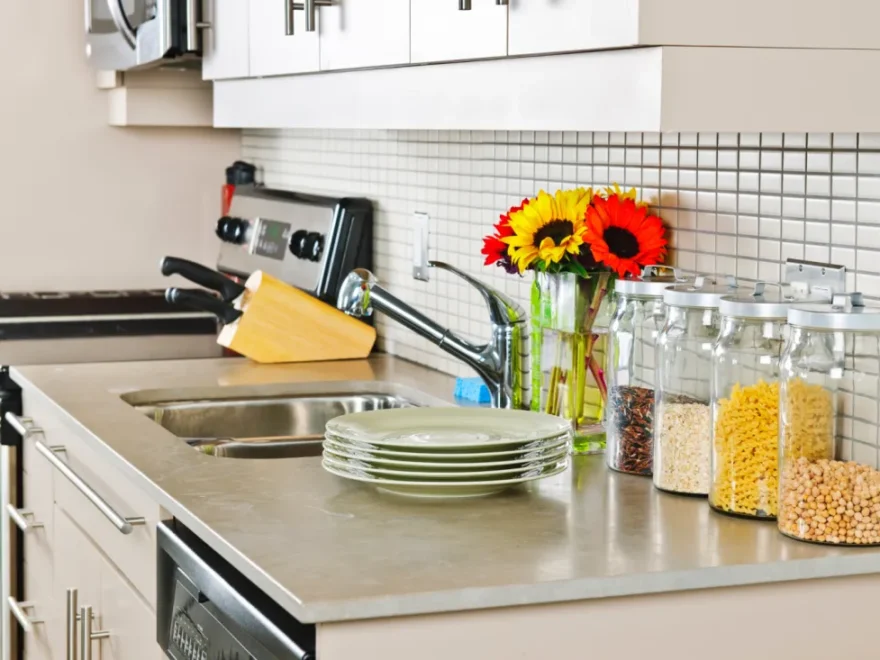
pixel 77 314
pixel 84 303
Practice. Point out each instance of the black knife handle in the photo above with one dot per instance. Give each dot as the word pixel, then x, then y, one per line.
pixel 204 301
pixel 203 276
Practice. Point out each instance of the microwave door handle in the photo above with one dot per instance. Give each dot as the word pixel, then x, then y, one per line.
pixel 121 22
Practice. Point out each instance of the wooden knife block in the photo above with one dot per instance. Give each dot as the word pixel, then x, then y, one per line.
pixel 280 323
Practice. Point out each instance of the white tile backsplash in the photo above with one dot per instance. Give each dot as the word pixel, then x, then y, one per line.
pixel 740 203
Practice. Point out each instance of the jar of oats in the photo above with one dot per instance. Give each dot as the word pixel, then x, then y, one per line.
pixel 829 481
pixel 636 321
pixel 682 418
pixel 745 402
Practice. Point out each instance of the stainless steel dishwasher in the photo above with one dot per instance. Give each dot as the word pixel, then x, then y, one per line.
pixel 207 610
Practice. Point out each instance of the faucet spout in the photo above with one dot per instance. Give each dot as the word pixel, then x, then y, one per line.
pixel 502 362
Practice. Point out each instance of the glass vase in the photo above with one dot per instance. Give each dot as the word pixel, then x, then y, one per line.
pixel 568 353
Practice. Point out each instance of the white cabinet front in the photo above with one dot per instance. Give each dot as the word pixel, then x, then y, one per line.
pixel 225 42
pixel 556 26
pixel 358 34
pixel 275 52
pixel 441 32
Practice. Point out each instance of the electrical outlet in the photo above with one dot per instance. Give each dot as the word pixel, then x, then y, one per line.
pixel 420 246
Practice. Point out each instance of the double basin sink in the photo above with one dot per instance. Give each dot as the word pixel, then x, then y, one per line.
pixel 260 423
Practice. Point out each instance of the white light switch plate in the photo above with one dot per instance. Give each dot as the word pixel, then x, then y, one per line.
pixel 420 246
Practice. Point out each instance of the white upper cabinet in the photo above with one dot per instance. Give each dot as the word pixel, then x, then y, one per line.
pixel 555 26
pixel 358 34
pixel 273 52
pixel 225 43
pixel 441 32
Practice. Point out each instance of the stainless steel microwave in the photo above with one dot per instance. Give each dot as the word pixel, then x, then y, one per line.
pixel 142 34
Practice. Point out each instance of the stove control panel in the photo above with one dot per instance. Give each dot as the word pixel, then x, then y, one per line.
pixel 270 238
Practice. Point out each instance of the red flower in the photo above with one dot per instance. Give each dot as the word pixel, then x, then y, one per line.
pixel 623 236
pixel 494 249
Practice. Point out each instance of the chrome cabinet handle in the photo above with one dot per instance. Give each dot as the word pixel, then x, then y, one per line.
pixel 24 426
pixel 20 518
pixel 194 25
pixel 86 635
pixel 71 618
pixel 88 16
pixel 309 7
pixel 18 611
pixel 465 5
pixel 123 524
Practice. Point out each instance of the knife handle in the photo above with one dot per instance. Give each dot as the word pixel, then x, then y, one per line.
pixel 204 301
pixel 203 276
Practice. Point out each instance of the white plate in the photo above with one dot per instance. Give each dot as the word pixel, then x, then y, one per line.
pixel 443 489
pixel 366 461
pixel 422 476
pixel 439 429
pixel 551 445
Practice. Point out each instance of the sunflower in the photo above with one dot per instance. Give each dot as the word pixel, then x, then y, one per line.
pixel 615 189
pixel 548 228
pixel 622 235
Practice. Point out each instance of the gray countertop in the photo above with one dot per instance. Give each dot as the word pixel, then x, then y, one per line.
pixel 330 550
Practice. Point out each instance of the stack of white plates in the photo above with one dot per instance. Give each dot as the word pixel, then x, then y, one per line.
pixel 446 452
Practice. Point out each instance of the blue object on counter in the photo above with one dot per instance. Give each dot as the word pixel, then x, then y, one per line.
pixel 472 389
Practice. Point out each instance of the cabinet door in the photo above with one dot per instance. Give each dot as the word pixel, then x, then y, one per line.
pixel 127 617
pixel 552 26
pixel 77 566
pixel 272 51
pixel 359 33
pixel 225 43
pixel 440 31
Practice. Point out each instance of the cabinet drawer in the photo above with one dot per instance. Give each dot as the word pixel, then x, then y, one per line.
pixel 133 553
pixel 38 509
pixel 42 642
pixel 129 619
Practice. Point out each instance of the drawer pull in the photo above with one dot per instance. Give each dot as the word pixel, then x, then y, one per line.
pixel 123 524
pixel 307 6
pixel 18 611
pixel 71 618
pixel 86 635
pixel 20 518
pixel 24 426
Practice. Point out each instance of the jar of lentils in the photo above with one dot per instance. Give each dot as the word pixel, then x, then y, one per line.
pixel 682 418
pixel 829 483
pixel 745 402
pixel 637 319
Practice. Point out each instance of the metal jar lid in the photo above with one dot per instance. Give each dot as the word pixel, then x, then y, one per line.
pixel 652 283
pixel 704 292
pixel 759 304
pixel 847 311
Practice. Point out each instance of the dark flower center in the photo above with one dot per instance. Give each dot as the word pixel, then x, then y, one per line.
pixel 621 242
pixel 558 230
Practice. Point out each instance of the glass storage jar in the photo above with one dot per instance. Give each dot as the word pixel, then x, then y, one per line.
pixel 684 370
pixel 636 322
pixel 829 484
pixel 745 402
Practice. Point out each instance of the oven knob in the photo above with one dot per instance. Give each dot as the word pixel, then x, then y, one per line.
pixel 231 230
pixel 307 245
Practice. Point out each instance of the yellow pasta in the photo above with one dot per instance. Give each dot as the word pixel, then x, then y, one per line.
pixel 745 479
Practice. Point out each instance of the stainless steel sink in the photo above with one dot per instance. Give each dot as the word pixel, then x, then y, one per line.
pixel 279 426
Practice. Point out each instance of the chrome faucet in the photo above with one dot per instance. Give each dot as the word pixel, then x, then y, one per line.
pixel 503 362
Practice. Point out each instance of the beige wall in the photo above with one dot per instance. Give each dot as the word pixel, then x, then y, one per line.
pixel 83 205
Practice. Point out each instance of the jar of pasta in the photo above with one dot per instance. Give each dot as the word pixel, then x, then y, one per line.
pixel 745 402
pixel 829 483
pixel 682 417
pixel 636 321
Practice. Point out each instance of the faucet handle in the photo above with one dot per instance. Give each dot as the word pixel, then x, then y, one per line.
pixel 502 310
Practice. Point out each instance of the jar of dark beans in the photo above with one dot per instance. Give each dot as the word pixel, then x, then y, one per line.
pixel 637 320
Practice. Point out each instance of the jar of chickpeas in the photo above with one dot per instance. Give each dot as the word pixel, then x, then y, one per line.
pixel 745 402
pixel 829 481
